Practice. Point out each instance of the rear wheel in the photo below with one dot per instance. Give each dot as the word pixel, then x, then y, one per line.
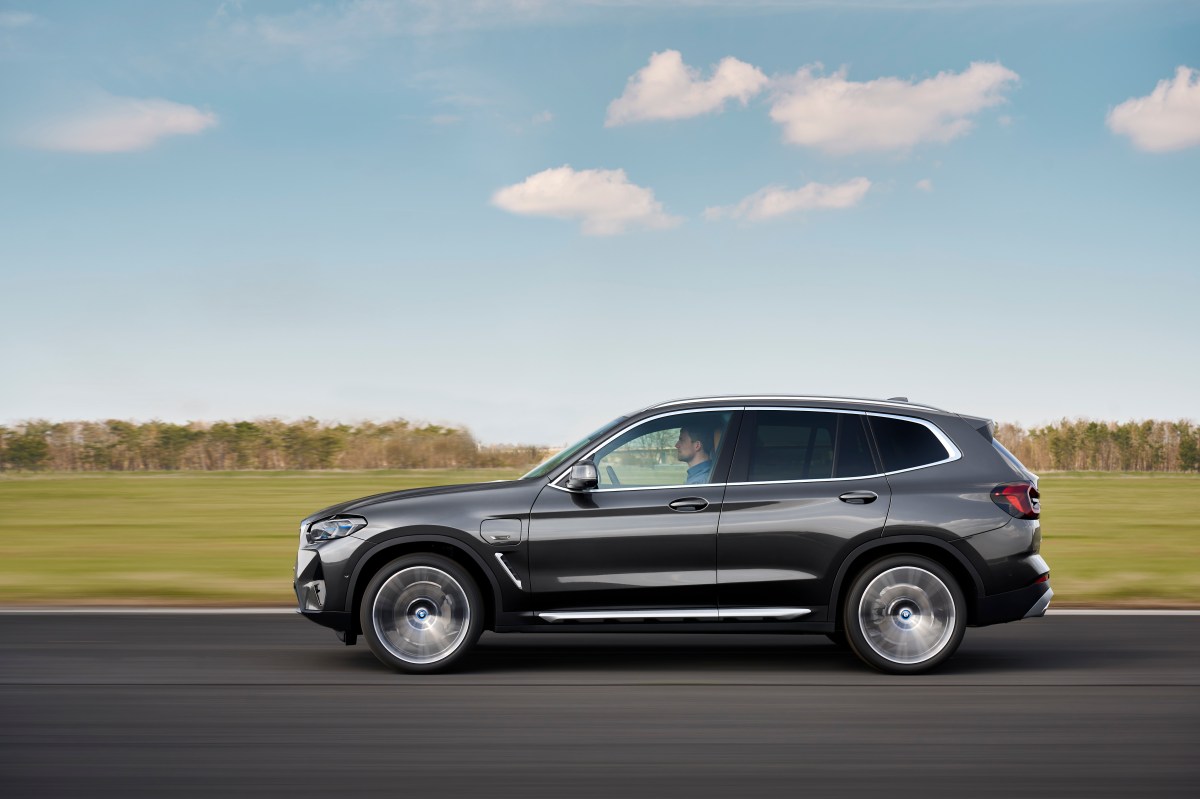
pixel 421 613
pixel 905 614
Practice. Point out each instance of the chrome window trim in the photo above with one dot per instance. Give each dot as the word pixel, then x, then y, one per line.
pixel 954 453
pixel 634 488
pixel 696 613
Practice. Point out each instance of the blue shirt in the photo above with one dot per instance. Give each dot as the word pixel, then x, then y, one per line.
pixel 699 473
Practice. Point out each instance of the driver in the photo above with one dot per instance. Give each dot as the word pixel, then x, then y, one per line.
pixel 695 447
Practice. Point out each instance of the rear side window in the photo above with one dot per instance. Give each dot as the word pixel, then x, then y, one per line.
pixel 792 445
pixel 904 445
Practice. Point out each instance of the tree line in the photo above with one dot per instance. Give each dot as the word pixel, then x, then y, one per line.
pixel 1086 445
pixel 124 446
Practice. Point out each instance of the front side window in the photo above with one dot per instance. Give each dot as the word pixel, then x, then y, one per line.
pixel 680 449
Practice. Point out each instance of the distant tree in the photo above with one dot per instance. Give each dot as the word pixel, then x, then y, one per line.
pixel 27 450
pixel 1189 448
pixel 170 442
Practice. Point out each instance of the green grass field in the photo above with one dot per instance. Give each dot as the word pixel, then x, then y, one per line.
pixel 230 537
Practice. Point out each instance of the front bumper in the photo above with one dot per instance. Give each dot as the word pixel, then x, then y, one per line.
pixel 333 619
pixel 1024 603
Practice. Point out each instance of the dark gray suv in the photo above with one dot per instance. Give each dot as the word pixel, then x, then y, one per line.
pixel 883 524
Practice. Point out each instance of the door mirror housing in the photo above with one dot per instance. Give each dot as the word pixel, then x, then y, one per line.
pixel 583 477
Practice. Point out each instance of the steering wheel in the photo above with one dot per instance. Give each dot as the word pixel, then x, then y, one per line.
pixel 612 475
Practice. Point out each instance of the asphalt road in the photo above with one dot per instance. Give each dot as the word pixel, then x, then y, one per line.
pixel 212 706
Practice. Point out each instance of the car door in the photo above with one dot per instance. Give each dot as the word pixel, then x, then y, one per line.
pixel 645 538
pixel 804 490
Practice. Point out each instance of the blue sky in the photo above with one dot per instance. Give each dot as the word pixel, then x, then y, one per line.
pixel 228 210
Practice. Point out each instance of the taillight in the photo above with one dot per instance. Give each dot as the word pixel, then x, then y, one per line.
pixel 1019 500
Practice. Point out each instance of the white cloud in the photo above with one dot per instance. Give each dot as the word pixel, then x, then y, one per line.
pixel 841 116
pixel 16 19
pixel 109 124
pixel 603 200
pixel 666 88
pixel 542 118
pixel 1166 119
pixel 925 184
pixel 775 201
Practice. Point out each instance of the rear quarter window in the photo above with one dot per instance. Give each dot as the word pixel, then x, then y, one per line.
pixel 905 445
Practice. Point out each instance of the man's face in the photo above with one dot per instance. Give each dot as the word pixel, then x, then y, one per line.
pixel 686 447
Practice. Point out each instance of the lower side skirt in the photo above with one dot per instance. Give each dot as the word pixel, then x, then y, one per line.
pixel 671 627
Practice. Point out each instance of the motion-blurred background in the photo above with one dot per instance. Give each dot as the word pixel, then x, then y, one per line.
pixel 240 239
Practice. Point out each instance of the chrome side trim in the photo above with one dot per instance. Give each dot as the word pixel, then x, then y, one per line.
pixel 508 571
pixel 1039 608
pixel 698 613
pixel 763 613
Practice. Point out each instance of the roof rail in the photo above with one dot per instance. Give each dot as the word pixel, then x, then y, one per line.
pixel 894 401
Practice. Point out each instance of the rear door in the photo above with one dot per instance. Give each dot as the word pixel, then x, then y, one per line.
pixel 804 489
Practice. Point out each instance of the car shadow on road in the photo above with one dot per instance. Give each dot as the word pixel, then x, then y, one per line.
pixel 748 657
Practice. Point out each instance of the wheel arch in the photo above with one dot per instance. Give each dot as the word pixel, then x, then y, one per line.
pixel 926 546
pixel 443 544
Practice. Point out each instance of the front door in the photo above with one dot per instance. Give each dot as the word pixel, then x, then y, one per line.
pixel 645 538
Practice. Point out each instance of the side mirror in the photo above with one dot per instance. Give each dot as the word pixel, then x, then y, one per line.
pixel 583 477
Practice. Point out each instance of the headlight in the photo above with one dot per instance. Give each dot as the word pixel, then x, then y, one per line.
pixel 338 527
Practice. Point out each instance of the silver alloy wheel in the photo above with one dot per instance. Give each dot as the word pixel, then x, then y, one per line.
pixel 421 614
pixel 907 615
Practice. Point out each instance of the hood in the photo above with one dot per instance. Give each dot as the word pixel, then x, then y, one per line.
pixel 391 496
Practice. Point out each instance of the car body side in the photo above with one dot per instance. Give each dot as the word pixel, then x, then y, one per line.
pixel 942 511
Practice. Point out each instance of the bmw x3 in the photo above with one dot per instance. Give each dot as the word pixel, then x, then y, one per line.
pixel 886 525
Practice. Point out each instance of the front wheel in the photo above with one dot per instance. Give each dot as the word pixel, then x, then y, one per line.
pixel 905 614
pixel 421 613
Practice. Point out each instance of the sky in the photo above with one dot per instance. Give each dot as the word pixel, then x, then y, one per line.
pixel 530 217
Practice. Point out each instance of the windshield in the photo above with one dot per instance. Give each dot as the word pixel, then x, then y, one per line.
pixel 545 467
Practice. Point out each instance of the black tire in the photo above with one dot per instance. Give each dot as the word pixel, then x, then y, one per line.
pixel 421 613
pixel 904 614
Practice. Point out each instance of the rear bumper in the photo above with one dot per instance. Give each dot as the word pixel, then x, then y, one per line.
pixel 1024 603
pixel 1039 608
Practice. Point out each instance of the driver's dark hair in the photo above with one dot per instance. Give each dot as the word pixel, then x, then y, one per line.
pixel 704 430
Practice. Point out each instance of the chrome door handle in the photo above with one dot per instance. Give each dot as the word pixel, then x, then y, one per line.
pixel 689 504
pixel 859 497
